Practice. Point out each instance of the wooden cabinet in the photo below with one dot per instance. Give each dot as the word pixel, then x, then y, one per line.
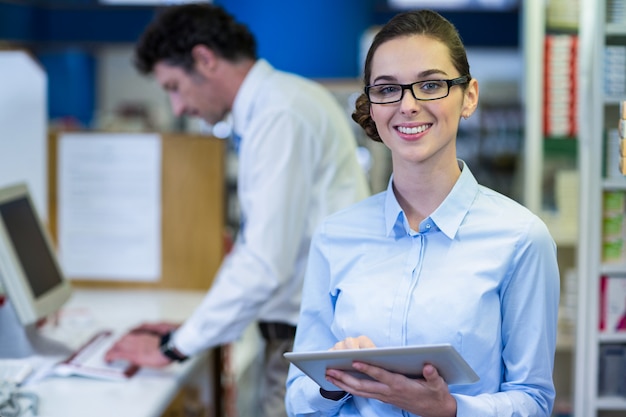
pixel 192 211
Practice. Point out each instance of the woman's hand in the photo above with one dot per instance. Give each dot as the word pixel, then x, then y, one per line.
pixel 428 397
pixel 361 342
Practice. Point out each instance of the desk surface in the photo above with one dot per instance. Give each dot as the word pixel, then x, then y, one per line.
pixel 150 391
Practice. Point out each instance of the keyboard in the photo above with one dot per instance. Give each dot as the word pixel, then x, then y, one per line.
pixel 15 371
pixel 89 361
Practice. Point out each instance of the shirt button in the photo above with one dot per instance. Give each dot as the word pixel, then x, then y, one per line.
pixel 428 226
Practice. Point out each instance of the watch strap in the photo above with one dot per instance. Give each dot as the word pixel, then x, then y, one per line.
pixel 169 350
pixel 333 395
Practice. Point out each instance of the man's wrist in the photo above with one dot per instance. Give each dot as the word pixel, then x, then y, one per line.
pixel 168 349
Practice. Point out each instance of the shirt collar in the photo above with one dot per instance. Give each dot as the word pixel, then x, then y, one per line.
pixel 447 217
pixel 243 107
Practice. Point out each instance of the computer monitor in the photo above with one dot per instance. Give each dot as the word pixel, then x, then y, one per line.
pixel 29 273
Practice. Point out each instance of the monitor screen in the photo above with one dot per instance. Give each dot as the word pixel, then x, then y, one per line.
pixel 29 271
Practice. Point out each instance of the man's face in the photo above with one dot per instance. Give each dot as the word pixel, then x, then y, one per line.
pixel 191 94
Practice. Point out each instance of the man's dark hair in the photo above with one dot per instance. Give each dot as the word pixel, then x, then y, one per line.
pixel 177 29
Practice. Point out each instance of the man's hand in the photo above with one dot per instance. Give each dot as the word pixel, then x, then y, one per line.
pixel 160 328
pixel 141 346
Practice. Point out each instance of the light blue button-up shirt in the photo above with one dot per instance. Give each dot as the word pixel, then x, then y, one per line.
pixel 481 274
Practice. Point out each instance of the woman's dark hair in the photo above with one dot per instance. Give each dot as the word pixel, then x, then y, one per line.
pixel 419 22
pixel 177 29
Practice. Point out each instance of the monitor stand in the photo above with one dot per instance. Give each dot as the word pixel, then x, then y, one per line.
pixel 18 341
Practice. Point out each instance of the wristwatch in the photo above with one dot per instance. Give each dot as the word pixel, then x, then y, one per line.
pixel 333 395
pixel 169 350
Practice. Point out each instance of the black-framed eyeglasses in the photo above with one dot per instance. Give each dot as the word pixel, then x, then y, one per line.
pixel 421 90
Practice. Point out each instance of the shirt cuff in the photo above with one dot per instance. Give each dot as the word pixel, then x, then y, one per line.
pixel 333 395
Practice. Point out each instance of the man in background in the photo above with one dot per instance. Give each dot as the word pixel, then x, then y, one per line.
pixel 297 164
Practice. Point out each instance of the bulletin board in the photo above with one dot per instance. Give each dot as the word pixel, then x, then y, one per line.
pixel 192 212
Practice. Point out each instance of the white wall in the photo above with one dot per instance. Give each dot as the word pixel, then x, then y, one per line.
pixel 119 83
pixel 23 125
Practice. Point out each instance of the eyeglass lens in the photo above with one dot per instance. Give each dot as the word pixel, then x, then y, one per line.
pixel 421 90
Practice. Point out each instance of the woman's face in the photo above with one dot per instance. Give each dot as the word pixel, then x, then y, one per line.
pixel 418 131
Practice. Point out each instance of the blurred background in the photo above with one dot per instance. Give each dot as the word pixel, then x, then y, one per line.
pixel 85 47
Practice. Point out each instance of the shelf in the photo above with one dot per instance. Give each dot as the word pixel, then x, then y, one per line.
pixel 613 101
pixel 614 183
pixel 611 403
pixel 613 269
pixel 612 337
pixel 597 117
pixel 615 29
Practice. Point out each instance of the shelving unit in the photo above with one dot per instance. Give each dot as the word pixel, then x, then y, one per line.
pixel 538 155
pixel 596 113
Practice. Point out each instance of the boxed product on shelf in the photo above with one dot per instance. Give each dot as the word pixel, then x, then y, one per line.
pixel 560 79
pixel 613 226
pixel 614 153
pixel 612 375
pixel 567 307
pixel 566 185
pixel 619 135
pixel 612 304
pixel 616 12
pixel 615 70
pixel 613 203
pixel 562 14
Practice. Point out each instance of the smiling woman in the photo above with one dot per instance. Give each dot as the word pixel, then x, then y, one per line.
pixel 448 261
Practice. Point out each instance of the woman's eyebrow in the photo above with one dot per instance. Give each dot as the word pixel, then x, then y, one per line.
pixel 420 76
pixel 385 79
pixel 430 72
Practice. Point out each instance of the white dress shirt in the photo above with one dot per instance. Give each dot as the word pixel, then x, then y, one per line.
pixel 297 164
pixel 480 273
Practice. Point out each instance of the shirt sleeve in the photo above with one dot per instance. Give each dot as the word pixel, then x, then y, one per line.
pixel 275 186
pixel 303 397
pixel 529 303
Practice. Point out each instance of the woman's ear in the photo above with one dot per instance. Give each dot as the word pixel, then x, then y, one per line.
pixel 470 99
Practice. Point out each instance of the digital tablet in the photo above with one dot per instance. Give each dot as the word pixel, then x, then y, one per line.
pixel 407 360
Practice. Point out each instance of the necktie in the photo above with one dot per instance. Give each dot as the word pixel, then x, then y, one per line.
pixel 235 140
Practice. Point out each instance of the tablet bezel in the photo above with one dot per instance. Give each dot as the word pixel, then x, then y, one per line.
pixel 407 360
